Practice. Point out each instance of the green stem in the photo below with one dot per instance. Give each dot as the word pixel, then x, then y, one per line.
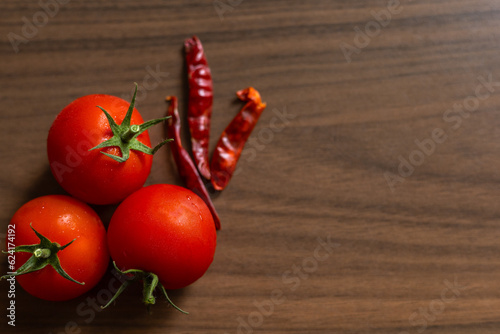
pixel 130 133
pixel 42 253
pixel 150 283
pixel 125 135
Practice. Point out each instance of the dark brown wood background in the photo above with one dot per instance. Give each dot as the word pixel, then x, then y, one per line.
pixel 418 256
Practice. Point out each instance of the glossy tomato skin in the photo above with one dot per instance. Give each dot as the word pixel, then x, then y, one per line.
pixel 61 219
pixel 90 175
pixel 164 229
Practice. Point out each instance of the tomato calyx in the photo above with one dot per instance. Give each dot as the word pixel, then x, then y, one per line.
pixel 44 253
pixel 150 283
pixel 125 135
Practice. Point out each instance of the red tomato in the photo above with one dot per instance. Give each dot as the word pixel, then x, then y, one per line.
pixel 61 219
pixel 90 175
pixel 166 230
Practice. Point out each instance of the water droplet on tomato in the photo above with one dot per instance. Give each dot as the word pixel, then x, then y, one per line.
pixel 188 197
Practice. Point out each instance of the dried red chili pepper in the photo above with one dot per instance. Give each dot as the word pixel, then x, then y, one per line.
pixel 185 166
pixel 200 103
pixel 234 137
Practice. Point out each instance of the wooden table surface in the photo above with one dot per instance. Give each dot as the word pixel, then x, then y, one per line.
pixel 367 199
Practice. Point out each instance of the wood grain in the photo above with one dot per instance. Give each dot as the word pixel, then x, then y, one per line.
pixel 319 172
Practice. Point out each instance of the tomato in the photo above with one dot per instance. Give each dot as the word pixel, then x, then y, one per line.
pixel 166 230
pixel 61 219
pixel 88 174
